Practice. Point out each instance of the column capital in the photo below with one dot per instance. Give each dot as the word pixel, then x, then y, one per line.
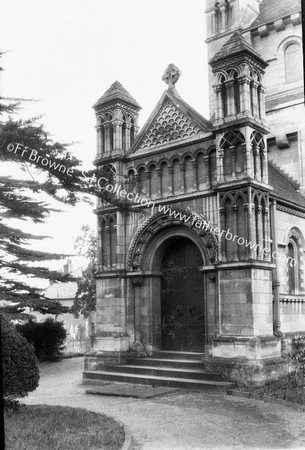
pixel 222 211
pixel 221 153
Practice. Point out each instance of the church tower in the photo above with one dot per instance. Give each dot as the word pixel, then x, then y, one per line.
pixel 242 183
pixel 117 127
pixel 223 18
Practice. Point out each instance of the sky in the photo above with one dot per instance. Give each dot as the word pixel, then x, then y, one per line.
pixel 66 53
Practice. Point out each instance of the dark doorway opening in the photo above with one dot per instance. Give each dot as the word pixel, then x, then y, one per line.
pixel 182 298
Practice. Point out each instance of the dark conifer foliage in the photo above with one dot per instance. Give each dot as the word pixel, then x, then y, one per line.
pixel 27 144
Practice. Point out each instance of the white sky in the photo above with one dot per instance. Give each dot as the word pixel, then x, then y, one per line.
pixel 67 53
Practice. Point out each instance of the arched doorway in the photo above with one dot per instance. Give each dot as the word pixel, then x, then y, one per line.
pixel 182 297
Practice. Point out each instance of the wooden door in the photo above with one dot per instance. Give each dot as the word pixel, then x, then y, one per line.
pixel 182 298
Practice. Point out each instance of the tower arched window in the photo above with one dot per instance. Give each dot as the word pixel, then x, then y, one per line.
pixel 229 15
pixel 236 94
pixel 217 18
pixel 224 100
pixel 124 133
pixel 293 62
pixel 131 180
pixel 132 132
pixel 212 167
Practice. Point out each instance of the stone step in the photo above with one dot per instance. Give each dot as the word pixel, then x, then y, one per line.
pixel 99 377
pixel 162 362
pixel 190 356
pixel 165 371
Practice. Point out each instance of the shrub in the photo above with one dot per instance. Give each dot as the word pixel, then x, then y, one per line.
pixel 20 365
pixel 298 353
pixel 46 337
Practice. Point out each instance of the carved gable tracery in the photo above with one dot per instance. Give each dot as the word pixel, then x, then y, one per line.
pixel 169 125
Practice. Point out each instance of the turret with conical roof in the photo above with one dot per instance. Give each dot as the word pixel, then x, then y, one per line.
pixel 239 119
pixel 117 121
pixel 238 73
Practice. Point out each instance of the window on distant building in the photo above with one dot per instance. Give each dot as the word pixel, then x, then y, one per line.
pixel 293 62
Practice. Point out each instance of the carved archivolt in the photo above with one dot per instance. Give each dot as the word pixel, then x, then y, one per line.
pixel 156 223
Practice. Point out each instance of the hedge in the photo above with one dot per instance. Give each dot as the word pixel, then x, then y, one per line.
pixel 19 363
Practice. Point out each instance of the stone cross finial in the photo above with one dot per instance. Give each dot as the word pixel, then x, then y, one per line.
pixel 171 75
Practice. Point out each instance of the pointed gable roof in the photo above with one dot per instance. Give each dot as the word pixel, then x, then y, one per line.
pixel 172 120
pixel 117 92
pixel 284 187
pixel 235 45
pixel 270 10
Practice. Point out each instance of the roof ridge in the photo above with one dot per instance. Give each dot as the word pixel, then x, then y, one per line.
pixel 117 92
pixel 235 44
pixel 173 97
pixel 276 167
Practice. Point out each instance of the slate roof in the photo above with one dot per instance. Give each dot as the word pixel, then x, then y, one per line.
pixel 284 187
pixel 236 44
pixel 117 92
pixel 274 9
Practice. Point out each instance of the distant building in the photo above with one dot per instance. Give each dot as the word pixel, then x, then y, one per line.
pixel 78 330
pixel 215 263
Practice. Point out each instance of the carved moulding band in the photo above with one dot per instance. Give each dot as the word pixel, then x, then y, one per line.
pixel 159 221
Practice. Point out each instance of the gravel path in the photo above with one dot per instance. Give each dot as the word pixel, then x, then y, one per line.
pixel 180 420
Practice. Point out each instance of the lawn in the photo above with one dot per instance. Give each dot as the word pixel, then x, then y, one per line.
pixel 54 427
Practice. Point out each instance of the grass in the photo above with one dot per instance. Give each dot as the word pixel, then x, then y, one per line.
pixel 55 427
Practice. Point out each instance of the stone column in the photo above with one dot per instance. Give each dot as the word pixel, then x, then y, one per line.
pixel 222 250
pixel 107 137
pixel 276 282
pixel 219 113
pixel 99 140
pixel 251 230
pixel 107 247
pixel 257 163
pixel 264 165
pixel 127 137
pixel 262 102
pixel 260 237
pixel 117 135
pixel 266 233
pixel 244 89
pixel 137 284
pixel 255 98
pixel 99 246
pixel 220 174
pixel 235 253
pixel 230 97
